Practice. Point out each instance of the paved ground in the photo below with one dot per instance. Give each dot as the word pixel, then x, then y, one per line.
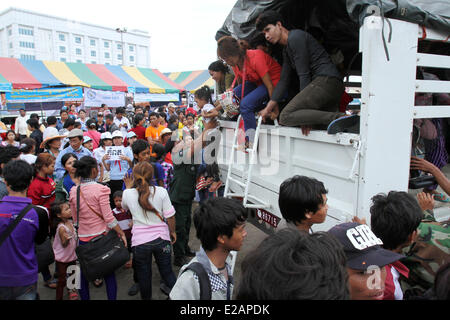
pixel 125 276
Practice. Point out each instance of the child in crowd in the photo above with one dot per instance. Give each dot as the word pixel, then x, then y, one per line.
pixel 64 245
pixel 131 138
pixel 27 149
pixel 395 219
pixel 117 168
pixel 42 188
pixel 10 139
pixel 87 143
pixel 203 98
pixel 167 167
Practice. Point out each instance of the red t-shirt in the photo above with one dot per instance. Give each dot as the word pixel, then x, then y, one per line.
pixel 42 191
pixel 140 132
pixel 257 65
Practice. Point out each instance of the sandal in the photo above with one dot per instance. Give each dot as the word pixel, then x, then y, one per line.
pixel 98 283
pixel 441 197
pixel 73 295
pixel 51 283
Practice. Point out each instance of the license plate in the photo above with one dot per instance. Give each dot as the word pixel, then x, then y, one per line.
pixel 268 217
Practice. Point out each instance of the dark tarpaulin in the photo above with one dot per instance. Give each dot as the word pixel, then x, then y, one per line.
pixel 335 23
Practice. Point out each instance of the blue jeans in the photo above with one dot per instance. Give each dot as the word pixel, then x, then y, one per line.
pixel 253 101
pixel 19 293
pixel 110 280
pixel 143 253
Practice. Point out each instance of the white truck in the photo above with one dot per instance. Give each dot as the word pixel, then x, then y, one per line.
pixel 354 168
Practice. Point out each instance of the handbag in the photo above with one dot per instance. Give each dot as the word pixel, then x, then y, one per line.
pixel 229 101
pixel 102 255
pixel 45 255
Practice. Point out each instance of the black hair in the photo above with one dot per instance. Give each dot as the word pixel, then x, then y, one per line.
pixel 219 66
pixel 190 115
pixel 82 110
pixel 394 217
pixel 51 120
pixel 215 217
pixel 173 119
pixel 298 196
pixel 66 158
pixel 26 145
pixel 84 167
pixel 63 110
pixel 7 154
pixel 55 209
pixel 139 146
pixel 294 265
pixel 34 116
pixel 163 115
pixel 69 122
pixel 204 93
pixel 138 118
pixel 153 114
pixel 9 131
pixel 159 150
pixel 33 123
pixel 109 116
pixel 120 110
pixel 91 122
pixel 18 175
pixel 258 40
pixel 268 17
pixel 118 194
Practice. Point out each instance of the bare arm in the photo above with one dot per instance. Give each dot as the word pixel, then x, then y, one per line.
pixel 423 165
pixel 268 83
pixel 171 224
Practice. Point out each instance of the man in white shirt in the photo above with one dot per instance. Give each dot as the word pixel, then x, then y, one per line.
pixel 21 125
pixel 122 122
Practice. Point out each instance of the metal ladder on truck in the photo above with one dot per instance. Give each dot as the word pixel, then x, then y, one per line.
pixel 256 203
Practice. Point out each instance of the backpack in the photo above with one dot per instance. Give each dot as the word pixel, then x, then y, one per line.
pixel 203 279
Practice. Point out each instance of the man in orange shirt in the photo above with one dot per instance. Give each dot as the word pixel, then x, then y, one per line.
pixel 153 132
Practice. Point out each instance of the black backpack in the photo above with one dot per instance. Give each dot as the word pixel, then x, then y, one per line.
pixel 203 279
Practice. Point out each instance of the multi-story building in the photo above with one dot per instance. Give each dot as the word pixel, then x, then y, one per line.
pixel 35 36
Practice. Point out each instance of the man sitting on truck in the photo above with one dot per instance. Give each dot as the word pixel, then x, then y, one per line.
pixel 303 202
pixel 321 87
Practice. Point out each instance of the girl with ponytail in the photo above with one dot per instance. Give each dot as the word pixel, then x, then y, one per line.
pixel 203 98
pixel 153 227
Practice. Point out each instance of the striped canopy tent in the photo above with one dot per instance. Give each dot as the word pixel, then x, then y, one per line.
pixel 192 80
pixel 23 74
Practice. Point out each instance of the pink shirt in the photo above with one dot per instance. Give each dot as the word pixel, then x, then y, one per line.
pixel 95 136
pixel 66 254
pixel 97 196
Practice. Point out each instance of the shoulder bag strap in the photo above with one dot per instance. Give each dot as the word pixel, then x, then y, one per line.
pixel 203 279
pixel 77 225
pixel 13 225
pixel 98 214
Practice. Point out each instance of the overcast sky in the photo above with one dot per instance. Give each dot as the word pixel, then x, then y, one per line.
pixel 182 31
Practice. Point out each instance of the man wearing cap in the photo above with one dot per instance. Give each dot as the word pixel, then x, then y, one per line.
pixel 75 139
pixel 21 125
pixel 93 133
pixel 366 260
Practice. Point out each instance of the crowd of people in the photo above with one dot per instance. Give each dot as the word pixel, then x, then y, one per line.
pixel 60 186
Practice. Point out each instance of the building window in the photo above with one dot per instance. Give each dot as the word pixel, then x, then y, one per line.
pixel 62 37
pixel 29 45
pixel 63 59
pixel 10 32
pixel 62 49
pixel 27 57
pixel 107 55
pixel 26 32
pixel 119 46
pixel 106 44
pixel 119 57
pixel 78 40
pixel 92 42
pixel 93 62
pixel 78 51
pixel 131 49
pixel 10 45
pixel 132 58
pixel 93 53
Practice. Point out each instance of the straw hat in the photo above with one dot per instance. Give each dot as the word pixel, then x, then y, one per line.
pixel 50 134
